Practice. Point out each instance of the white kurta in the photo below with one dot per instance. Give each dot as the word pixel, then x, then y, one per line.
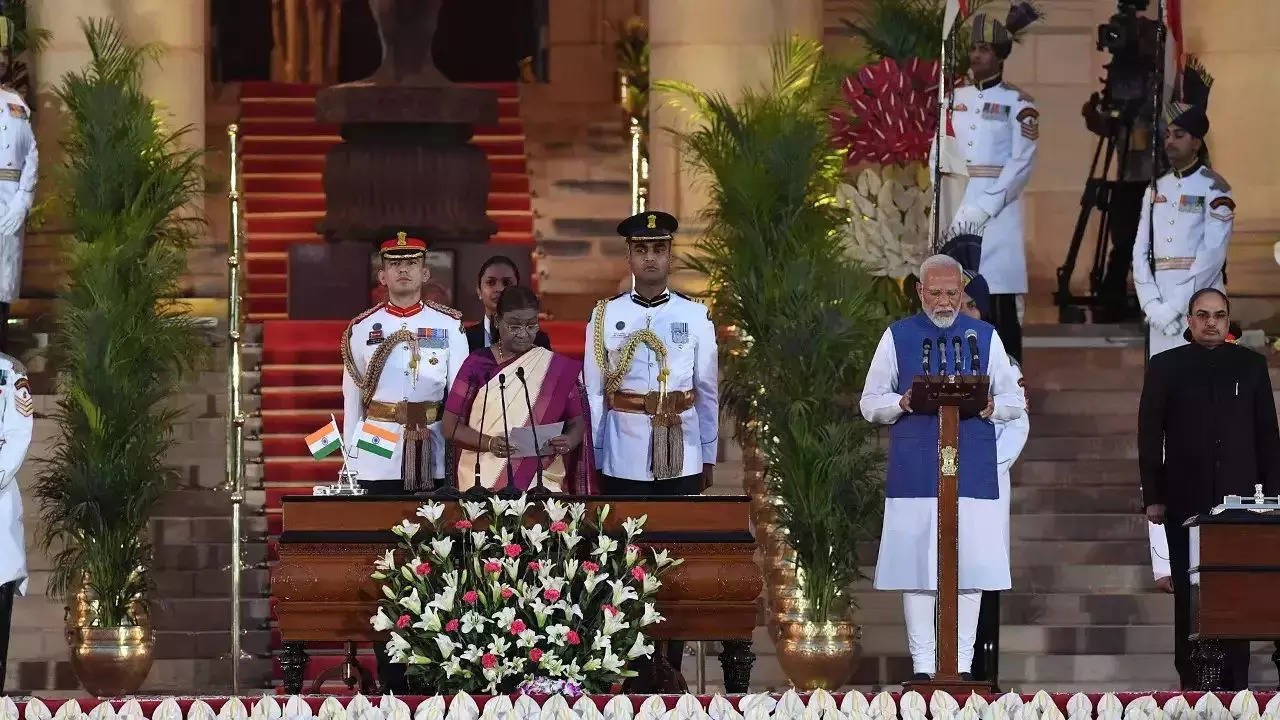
pixel 622 439
pixel 1011 437
pixel 440 354
pixel 996 128
pixel 1193 218
pixel 18 158
pixel 16 410
pixel 908 558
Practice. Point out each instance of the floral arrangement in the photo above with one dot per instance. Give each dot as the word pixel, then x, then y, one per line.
pixel 888 228
pixel 820 705
pixel 488 602
pixel 892 112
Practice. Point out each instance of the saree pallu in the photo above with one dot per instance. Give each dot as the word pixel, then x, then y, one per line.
pixel 556 394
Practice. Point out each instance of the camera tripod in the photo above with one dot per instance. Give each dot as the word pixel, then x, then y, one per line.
pixel 1119 205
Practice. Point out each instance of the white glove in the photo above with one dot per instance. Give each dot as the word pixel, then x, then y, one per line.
pixel 1174 328
pixel 13 218
pixel 969 218
pixel 1160 315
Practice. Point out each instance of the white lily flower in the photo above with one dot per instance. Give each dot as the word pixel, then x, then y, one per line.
pixel 554 583
pixel 472 621
pixel 450 579
pixel 639 649
pixel 452 667
pixel 662 558
pixel 577 510
pixel 407 529
pixel 591 581
pixel 536 536
pixel 611 663
pixel 571 540
pixel 430 622
pixel 498 504
pixel 527 639
pixel 517 507
pixel 592 665
pixel 556 510
pixel 479 540
pixel 633 526
pixel 472 654
pixel 632 554
pixel 650 584
pixel 412 602
pixel 511 566
pixel 472 509
pixel 571 568
pixel 540 611
pixel 622 592
pixel 505 536
pixel 381 622
pixel 397 647
pixel 445 645
pixel 442 547
pixel 443 601
pixel 504 617
pixel 575 610
pixel 605 546
pixel 651 615
pixel 558 633
pixel 386 562
pixel 613 623
pixel 432 512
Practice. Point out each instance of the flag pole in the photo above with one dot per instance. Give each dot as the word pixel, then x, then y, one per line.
pixel 935 227
pixel 345 473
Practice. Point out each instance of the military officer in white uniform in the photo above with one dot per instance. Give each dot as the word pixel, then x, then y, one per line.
pixel 16 409
pixel 996 128
pixel 399 360
pixel 654 419
pixel 17 179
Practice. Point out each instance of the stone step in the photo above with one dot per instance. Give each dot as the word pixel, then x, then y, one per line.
pixel 1074 472
pixel 1117 447
pixel 1092 526
pixel 1090 402
pixel 1054 426
pixel 1084 499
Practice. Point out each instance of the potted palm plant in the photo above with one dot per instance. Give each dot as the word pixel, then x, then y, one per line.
pixel 124 348
pixel 805 324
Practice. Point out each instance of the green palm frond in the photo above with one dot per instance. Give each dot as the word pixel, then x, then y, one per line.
pixel 123 346
pixel 807 323
pixel 905 29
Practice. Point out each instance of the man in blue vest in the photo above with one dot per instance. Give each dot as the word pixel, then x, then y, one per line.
pixel 908 542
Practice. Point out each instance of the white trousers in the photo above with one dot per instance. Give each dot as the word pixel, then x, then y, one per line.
pixel 921 610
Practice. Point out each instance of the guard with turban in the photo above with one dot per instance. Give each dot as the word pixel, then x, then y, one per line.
pixel 17 177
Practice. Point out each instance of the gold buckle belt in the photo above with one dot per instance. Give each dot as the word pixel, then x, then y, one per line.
pixel 988 171
pixel 1174 263
pixel 10 174
pixel 677 401
pixel 409 414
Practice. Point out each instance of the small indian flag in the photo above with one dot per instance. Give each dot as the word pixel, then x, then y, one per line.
pixel 377 441
pixel 325 440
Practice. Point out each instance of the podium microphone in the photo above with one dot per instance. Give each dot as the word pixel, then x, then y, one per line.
pixel 506 432
pixel 926 352
pixel 956 361
pixel 942 355
pixel 533 425
pixel 484 405
pixel 972 336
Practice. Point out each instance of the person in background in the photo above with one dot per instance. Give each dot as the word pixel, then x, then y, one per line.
pixel 496 274
pixel 18 159
pixel 474 417
pixel 16 410
pixel 1206 429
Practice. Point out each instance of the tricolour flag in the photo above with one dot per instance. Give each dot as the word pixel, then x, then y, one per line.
pixel 377 441
pixel 324 441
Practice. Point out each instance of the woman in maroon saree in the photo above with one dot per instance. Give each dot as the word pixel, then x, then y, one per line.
pixel 473 412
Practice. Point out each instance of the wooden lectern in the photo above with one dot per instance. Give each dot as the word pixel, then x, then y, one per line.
pixel 952 398
pixel 1235 580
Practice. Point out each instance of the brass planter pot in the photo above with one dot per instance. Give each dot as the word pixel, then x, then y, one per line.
pixel 112 661
pixel 819 655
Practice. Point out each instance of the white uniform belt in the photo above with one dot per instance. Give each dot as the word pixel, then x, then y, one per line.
pixel 985 170
pixel 1174 263
pixel 12 174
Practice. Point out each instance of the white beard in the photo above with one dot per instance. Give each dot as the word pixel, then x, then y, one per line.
pixel 942 322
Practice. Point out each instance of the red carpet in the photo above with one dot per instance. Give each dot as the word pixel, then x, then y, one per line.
pixel 282 157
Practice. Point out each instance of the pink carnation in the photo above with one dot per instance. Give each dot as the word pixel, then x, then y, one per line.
pixel 513 550
pixel 469 597
pixel 637 572
pixel 534 565
pixel 451 626
pixel 492 566
pixel 403 621
pixel 573 638
pixel 423 569
pixel 610 609
pixel 551 594
pixel 559 526
pixel 535 655
pixel 517 627
pixel 590 566
pixel 489 660
pixel 507 593
pixel 463 525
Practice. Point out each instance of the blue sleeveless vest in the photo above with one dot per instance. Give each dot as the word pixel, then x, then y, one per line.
pixel 913 440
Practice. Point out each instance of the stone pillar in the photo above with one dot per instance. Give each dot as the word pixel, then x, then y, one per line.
pixel 718 45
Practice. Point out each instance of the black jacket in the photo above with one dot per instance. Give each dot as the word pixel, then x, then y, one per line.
pixel 1206 428
pixel 475 338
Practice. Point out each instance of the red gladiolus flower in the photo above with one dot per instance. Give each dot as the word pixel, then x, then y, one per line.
pixel 403 621
pixel 492 566
pixel 610 609
pixel 590 566
pixel 559 526
pixel 513 550
pixel 507 593
pixel 463 525
pixel 534 565
pixel 891 113
pixel 423 569
pixel 574 638
pixel 637 572
pixel 451 626
pixel 489 660
pixel 535 655
pixel 517 627
pixel 469 597
pixel 551 594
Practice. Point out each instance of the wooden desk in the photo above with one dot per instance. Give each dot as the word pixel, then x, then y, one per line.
pixel 1235 579
pixel 322 590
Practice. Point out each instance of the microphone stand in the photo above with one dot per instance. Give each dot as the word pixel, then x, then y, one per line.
pixel 510 491
pixel 538 489
pixel 477 491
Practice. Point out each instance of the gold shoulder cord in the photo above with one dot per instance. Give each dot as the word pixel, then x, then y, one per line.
pixel 626 354
pixel 369 383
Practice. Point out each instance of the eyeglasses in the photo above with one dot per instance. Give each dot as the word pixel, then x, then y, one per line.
pixel 936 293
pixel 530 328
pixel 1204 315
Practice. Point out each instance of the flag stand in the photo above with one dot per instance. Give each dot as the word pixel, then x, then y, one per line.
pixel 346 484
